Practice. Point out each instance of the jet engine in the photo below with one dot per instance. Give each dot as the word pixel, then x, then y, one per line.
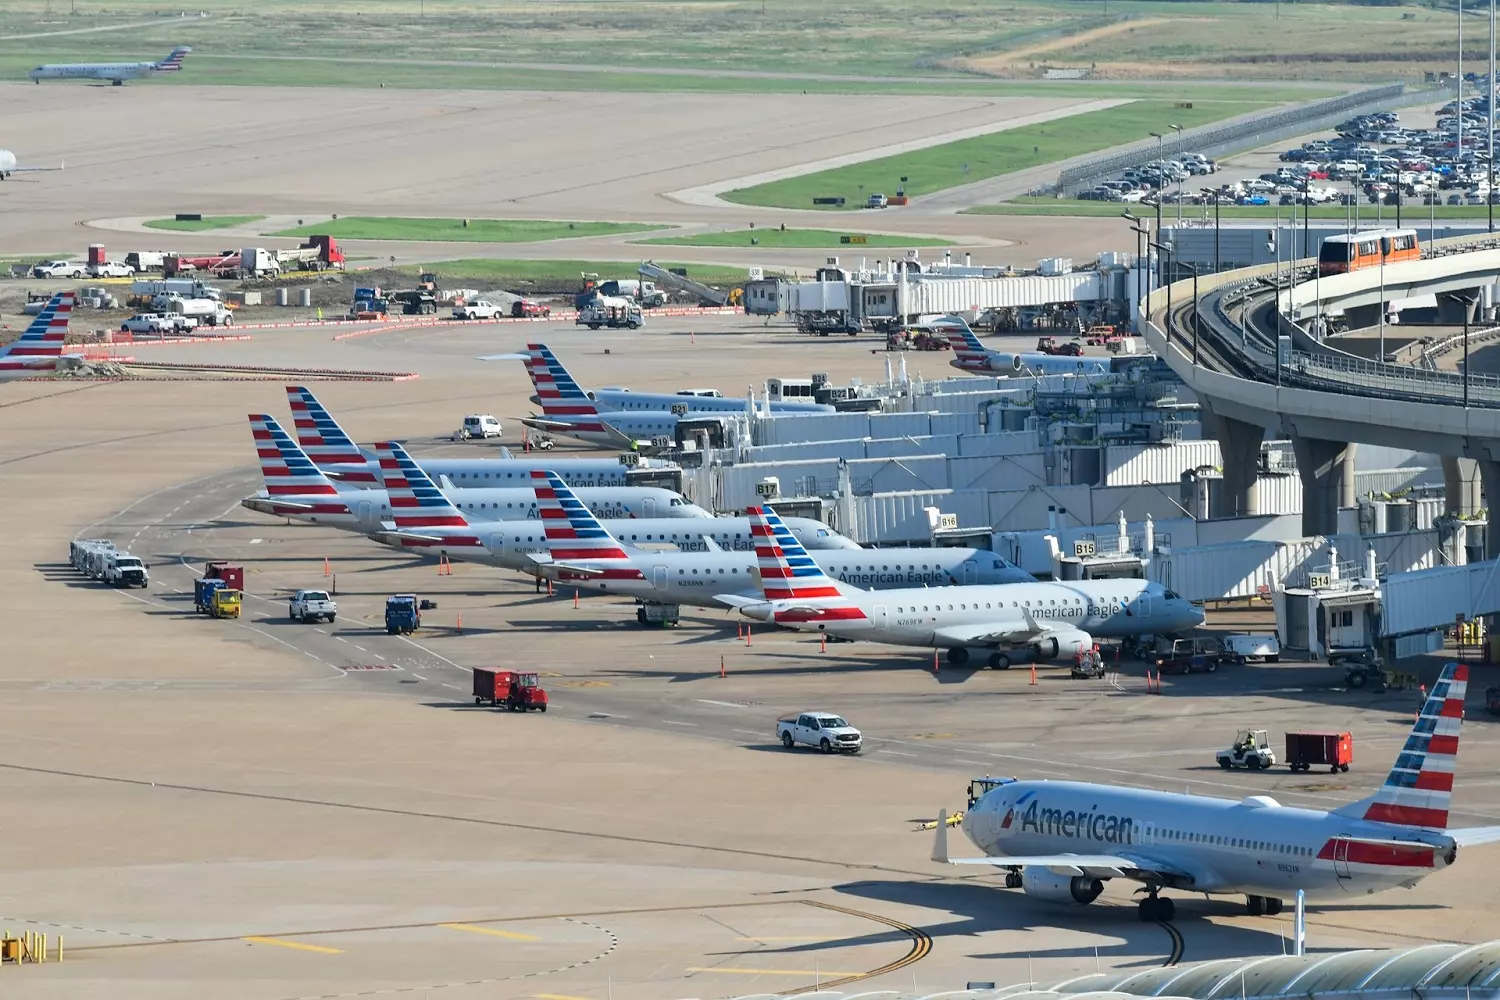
pixel 1053 888
pixel 1061 645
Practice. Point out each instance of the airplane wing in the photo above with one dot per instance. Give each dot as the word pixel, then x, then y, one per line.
pixel 543 424
pixel 1122 865
pixel 577 569
pixel 983 635
pixel 36 170
pixel 389 537
pixel 1475 835
pixel 738 600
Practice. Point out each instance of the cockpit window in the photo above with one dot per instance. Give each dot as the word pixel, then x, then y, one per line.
pixel 1169 595
pixel 675 502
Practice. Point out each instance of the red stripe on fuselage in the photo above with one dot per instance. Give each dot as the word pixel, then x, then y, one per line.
pixel 821 614
pixel 1389 812
pixel 1384 855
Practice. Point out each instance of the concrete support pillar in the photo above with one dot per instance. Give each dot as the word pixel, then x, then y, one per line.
pixel 1327 469
pixel 1489 474
pixel 1454 308
pixel 1460 486
pixel 1360 317
pixel 1239 444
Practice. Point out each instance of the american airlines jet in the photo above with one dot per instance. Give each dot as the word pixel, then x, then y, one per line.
pixel 584 553
pixel 971 356
pixel 116 73
pixel 568 410
pixel 1015 623
pixel 628 400
pixel 338 457
pixel 9 164
pixel 1060 841
pixel 39 349
pixel 296 489
pixel 441 529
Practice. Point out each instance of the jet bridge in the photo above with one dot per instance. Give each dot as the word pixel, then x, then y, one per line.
pixel 682 283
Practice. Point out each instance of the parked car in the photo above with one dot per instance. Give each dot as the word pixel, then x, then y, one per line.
pixel 478 309
pixel 528 308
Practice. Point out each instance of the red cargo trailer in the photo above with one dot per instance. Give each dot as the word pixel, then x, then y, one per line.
pixel 1303 750
pixel 232 574
pixel 517 691
pixel 96 253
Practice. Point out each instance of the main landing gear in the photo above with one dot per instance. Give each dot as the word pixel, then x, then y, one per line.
pixel 1156 908
pixel 1267 905
pixel 958 656
pixel 1013 880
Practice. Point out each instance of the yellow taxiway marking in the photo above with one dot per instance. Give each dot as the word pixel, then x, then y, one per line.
pixel 794 937
pixel 774 972
pixel 474 929
pixel 298 945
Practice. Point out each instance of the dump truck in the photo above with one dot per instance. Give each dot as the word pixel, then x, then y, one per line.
pixel 319 253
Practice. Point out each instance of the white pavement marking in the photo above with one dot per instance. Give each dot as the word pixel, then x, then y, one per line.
pixel 674 722
pixel 418 676
pixel 440 656
pixel 721 704
pixel 359 647
pixel 748 732
pixel 341 638
pixel 898 753
pixel 453 686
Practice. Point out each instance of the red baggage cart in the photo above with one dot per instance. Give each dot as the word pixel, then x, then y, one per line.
pixel 1303 750
pixel 516 690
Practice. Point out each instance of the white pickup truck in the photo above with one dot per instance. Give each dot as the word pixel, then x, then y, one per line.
pixel 311 606
pixel 478 309
pixel 122 570
pixel 158 323
pixel 824 730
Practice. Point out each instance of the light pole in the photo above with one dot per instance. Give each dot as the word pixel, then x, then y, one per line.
pixel 1155 205
pixel 1165 249
pixel 1195 314
pixel 1178 130
pixel 1141 235
pixel 1490 103
pixel 1217 255
pixel 1466 326
pixel 1384 249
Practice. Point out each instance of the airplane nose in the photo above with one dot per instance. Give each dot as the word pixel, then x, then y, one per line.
pixel 760 612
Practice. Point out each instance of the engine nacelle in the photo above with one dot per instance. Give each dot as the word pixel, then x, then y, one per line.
pixel 1063 645
pixel 1079 890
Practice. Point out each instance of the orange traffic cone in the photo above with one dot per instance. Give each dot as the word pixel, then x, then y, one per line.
pixel 822 642
pixel 327 570
pixel 934 661
pixel 1033 675
pixel 721 667
pixel 549 588
pixel 748 640
pixel 460 625
pixel 575 597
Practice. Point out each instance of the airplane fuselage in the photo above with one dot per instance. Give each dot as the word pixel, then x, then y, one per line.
pixel 946 619
pixel 1253 846
pixel 622 401
pixel 93 71
pixel 365 510
pixel 698 578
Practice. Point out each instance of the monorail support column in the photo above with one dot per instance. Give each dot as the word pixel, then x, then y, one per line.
pixel 1327 469
pixel 1457 308
pixel 1239 446
pixel 1460 486
pixel 1489 475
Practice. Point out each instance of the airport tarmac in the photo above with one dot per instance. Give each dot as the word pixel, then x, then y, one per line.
pixel 269 811
pixel 481 154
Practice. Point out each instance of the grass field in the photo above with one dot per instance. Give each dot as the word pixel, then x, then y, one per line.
pixel 205 223
pixel 455 230
pixel 546 44
pixel 564 274
pixel 968 160
pixel 1410 214
pixel 786 238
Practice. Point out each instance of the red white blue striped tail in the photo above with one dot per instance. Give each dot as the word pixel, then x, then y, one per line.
pixel 560 395
pixel 787 572
pixel 573 533
pixel 325 441
pixel 44 338
pixel 287 471
pixel 1420 785
pixel 968 352
pixel 416 502
pixel 173 62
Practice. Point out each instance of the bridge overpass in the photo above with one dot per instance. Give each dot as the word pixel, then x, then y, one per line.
pixel 1241 347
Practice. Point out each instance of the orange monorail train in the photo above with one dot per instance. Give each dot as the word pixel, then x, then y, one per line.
pixel 1355 251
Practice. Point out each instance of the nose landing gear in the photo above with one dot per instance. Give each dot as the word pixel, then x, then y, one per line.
pixel 1258 905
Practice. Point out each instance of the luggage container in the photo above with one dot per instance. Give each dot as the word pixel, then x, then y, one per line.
pixel 233 575
pixel 204 589
pixel 1305 749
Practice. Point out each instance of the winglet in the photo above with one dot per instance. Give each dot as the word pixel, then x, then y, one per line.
pixel 940 838
pixel 712 545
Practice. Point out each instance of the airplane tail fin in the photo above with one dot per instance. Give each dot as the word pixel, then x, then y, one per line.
pixel 325 442
pixel 173 62
pixel 286 469
pixel 1417 791
pixel 45 336
pixel 560 395
pixel 966 346
pixel 787 572
pixel 573 533
pixel 415 501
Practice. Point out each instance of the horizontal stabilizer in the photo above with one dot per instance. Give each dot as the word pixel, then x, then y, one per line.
pixel 396 537
pixel 738 600
pixel 1475 835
